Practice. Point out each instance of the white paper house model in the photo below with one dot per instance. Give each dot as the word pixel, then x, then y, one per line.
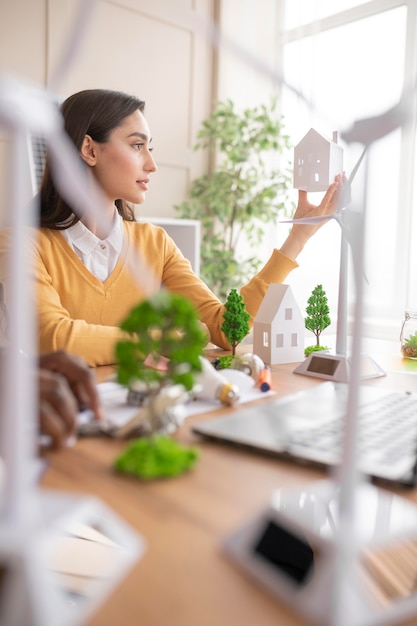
pixel 317 160
pixel 279 327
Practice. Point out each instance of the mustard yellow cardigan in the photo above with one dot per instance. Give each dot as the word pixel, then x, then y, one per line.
pixel 79 313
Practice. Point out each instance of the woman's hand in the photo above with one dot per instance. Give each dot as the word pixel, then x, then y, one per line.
pixel 57 408
pixel 78 375
pixel 66 384
pixel 301 233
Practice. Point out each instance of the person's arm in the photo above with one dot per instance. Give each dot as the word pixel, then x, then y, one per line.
pixel 301 233
pixel 78 375
pixel 179 278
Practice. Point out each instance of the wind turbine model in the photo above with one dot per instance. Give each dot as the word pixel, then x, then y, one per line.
pixel 36 525
pixel 318 364
pixel 39 530
pixel 334 548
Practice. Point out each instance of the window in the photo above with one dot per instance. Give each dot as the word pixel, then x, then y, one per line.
pixel 279 341
pixel 288 313
pixel 294 340
pixel 326 55
pixel 265 336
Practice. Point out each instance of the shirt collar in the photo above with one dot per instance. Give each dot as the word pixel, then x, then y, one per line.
pixel 79 235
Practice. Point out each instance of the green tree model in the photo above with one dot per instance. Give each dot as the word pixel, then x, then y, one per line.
pixel 318 312
pixel 235 325
pixel 163 325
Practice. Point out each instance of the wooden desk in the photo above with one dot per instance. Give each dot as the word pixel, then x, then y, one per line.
pixel 183 578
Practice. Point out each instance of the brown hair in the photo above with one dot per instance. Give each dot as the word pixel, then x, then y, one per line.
pixel 94 112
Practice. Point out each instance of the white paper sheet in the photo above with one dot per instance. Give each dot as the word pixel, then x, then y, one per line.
pixel 118 412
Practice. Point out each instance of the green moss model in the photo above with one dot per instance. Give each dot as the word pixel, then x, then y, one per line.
pixel 158 457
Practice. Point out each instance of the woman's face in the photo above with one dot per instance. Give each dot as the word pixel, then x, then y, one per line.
pixel 123 163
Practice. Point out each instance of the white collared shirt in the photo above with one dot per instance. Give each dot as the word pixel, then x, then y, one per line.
pixel 98 255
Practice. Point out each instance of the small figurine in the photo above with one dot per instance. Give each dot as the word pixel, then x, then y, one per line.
pixel 317 160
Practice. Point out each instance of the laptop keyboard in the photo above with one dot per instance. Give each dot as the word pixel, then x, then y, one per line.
pixel 387 431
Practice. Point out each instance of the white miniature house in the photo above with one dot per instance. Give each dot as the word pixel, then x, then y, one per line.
pixel 279 328
pixel 317 160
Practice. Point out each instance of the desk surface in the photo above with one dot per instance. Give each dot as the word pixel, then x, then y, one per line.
pixel 183 579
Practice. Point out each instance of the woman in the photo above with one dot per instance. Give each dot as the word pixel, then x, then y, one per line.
pixel 85 287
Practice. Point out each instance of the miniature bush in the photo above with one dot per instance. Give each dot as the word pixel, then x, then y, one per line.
pixel 157 458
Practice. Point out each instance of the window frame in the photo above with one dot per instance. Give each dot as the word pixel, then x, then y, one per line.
pixel 383 326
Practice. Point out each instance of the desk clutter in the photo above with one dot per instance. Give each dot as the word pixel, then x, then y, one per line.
pixel 149 413
pixel 126 410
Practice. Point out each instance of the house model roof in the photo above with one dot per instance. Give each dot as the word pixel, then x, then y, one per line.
pixel 272 302
pixel 317 160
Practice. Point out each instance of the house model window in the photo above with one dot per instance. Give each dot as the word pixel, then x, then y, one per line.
pixel 317 160
pixel 294 340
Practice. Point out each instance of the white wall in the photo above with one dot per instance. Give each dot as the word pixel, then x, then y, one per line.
pixel 248 60
pixel 152 48
pixel 249 69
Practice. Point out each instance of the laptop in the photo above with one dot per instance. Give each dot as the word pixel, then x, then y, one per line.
pixel 307 427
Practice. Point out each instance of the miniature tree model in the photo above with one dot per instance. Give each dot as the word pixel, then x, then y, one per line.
pixel 317 314
pixel 235 325
pixel 164 325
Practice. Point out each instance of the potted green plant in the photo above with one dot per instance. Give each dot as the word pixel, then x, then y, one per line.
pixel 408 335
pixel 247 188
pixel 409 346
pixel 317 317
